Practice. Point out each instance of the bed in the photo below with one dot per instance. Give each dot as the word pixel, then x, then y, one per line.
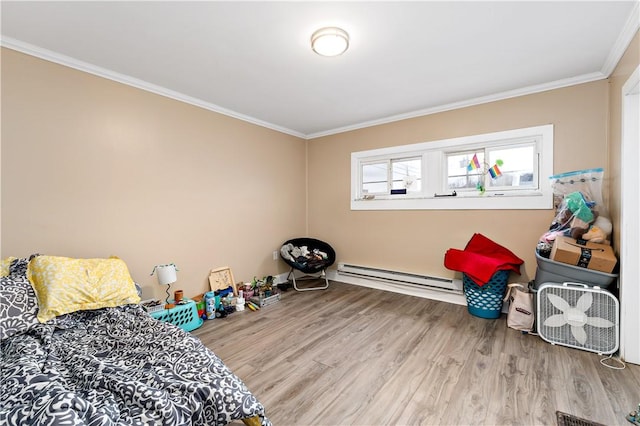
pixel 105 365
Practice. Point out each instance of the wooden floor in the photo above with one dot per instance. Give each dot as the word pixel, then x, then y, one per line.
pixel 351 355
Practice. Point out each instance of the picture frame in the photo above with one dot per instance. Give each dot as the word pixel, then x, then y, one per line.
pixel 222 278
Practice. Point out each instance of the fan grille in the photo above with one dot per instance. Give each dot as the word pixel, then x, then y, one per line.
pixel 602 339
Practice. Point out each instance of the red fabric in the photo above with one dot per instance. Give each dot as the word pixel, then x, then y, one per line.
pixel 481 258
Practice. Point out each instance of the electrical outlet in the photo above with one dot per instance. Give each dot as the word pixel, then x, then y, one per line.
pixel 275 255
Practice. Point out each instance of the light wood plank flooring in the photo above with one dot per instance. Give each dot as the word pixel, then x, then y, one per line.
pixel 351 355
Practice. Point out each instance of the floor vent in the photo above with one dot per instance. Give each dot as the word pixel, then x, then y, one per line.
pixel 565 419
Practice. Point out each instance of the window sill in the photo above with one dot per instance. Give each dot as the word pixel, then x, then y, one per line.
pixel 488 201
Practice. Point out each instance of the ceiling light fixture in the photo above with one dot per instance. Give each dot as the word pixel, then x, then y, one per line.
pixel 330 41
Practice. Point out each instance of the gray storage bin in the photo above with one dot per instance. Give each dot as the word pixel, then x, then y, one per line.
pixel 550 271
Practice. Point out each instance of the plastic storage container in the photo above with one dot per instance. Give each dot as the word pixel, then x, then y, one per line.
pixel 550 271
pixel 184 316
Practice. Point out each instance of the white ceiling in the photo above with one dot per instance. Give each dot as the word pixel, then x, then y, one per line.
pixel 252 60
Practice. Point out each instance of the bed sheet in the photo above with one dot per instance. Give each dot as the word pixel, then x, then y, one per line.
pixel 117 366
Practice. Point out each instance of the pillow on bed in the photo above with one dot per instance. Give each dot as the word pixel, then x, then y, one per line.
pixel 15 266
pixel 5 264
pixel 64 285
pixel 19 265
pixel 18 306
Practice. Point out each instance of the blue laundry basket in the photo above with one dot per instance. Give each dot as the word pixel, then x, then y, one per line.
pixel 486 301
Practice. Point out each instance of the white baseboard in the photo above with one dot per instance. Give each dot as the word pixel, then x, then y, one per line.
pixel 281 278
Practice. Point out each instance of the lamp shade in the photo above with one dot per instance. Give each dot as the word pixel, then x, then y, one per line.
pixel 166 274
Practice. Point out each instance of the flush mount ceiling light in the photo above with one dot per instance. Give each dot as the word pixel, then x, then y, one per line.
pixel 330 41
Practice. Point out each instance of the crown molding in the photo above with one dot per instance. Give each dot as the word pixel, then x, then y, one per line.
pixel 624 39
pixel 586 78
pixel 70 62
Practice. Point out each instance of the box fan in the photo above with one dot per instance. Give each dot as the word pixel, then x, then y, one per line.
pixel 578 316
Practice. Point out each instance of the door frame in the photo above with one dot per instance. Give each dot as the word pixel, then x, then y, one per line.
pixel 629 224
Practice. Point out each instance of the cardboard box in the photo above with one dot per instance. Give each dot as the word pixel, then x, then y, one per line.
pixel 598 257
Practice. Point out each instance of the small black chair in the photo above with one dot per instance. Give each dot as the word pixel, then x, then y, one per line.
pixel 309 256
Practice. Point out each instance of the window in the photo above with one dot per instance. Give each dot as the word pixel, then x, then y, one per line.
pixel 394 175
pixel 503 170
pixel 507 168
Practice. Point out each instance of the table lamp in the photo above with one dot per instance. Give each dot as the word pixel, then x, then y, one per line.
pixel 166 276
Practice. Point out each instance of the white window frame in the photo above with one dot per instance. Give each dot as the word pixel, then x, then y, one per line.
pixel 389 161
pixel 434 172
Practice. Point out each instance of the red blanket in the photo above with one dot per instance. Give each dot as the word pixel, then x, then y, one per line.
pixel 481 258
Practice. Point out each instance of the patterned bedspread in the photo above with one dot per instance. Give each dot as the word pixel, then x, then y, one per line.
pixel 117 366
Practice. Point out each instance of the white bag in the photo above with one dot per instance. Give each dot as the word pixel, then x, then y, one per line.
pixel 520 316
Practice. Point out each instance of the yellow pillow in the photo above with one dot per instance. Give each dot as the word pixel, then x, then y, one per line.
pixel 64 285
pixel 5 264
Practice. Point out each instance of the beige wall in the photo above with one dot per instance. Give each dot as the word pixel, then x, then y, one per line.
pixel 86 163
pixel 92 168
pixel 627 64
pixel 416 241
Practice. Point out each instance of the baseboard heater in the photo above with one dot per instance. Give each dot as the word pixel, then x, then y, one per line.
pixel 397 277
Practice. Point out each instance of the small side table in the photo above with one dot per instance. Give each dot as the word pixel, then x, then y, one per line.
pixel 184 316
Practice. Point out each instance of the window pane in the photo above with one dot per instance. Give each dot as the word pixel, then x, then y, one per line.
pixel 407 174
pixel 374 178
pixel 463 172
pixel 512 167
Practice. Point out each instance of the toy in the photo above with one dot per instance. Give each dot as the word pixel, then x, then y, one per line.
pixel 578 227
pixel 224 292
pixel 634 416
pixel 261 286
pixel 579 206
pixel 599 231
pixel 573 218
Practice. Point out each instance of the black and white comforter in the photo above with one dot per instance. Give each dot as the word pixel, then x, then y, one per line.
pixel 117 366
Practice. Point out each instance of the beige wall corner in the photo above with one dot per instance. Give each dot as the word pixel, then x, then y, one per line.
pixel 92 168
